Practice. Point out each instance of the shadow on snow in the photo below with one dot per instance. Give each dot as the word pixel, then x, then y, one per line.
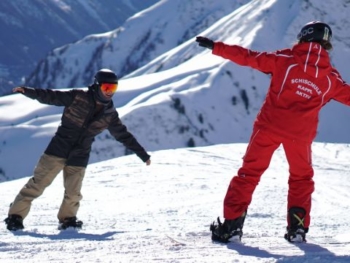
pixel 319 253
pixel 69 234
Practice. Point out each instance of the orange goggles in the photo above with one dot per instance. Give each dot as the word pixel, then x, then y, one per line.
pixel 109 87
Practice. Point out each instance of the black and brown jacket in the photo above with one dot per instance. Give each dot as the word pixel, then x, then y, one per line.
pixel 81 121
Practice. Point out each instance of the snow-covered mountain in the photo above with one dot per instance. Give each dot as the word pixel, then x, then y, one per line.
pixel 31 28
pixel 134 213
pixel 187 97
pixel 142 38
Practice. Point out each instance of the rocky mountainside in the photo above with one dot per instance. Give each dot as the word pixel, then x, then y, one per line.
pixel 142 38
pixel 31 28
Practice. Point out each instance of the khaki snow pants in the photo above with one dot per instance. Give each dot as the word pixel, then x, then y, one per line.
pixel 45 172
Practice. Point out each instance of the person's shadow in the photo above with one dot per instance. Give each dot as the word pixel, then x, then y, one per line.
pixel 69 235
pixel 311 251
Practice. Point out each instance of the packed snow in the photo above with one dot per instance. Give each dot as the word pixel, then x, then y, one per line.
pixel 161 213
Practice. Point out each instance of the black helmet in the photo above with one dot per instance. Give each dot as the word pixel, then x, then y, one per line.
pixel 315 31
pixel 105 76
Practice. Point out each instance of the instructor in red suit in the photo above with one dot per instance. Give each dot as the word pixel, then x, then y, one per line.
pixel 302 82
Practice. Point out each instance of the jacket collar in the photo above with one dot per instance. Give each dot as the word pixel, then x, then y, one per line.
pixel 312 58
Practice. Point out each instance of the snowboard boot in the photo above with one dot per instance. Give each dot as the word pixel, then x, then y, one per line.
pixel 14 222
pixel 230 230
pixel 70 222
pixel 296 232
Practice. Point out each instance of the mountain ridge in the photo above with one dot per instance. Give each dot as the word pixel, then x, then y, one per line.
pixel 196 100
pixel 34 27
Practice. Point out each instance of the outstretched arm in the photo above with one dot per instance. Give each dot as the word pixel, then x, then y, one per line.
pixel 341 93
pixel 262 61
pixel 47 96
pixel 119 131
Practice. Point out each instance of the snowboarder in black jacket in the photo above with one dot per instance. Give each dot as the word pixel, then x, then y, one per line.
pixel 86 114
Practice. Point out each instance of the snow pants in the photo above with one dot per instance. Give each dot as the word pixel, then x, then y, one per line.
pixel 257 158
pixel 45 172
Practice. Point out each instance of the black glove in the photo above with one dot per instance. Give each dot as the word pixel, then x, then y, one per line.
pixel 205 42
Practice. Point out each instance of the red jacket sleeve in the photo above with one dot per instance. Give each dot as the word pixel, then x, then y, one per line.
pixel 342 89
pixel 262 61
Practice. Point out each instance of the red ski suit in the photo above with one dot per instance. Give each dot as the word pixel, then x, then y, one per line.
pixel 302 82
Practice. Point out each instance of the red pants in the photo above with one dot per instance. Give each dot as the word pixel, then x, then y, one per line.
pixel 257 159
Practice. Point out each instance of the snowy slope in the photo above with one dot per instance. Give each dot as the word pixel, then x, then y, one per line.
pixel 272 25
pixel 130 209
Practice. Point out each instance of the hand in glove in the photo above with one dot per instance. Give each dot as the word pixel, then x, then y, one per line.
pixel 18 90
pixel 205 42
